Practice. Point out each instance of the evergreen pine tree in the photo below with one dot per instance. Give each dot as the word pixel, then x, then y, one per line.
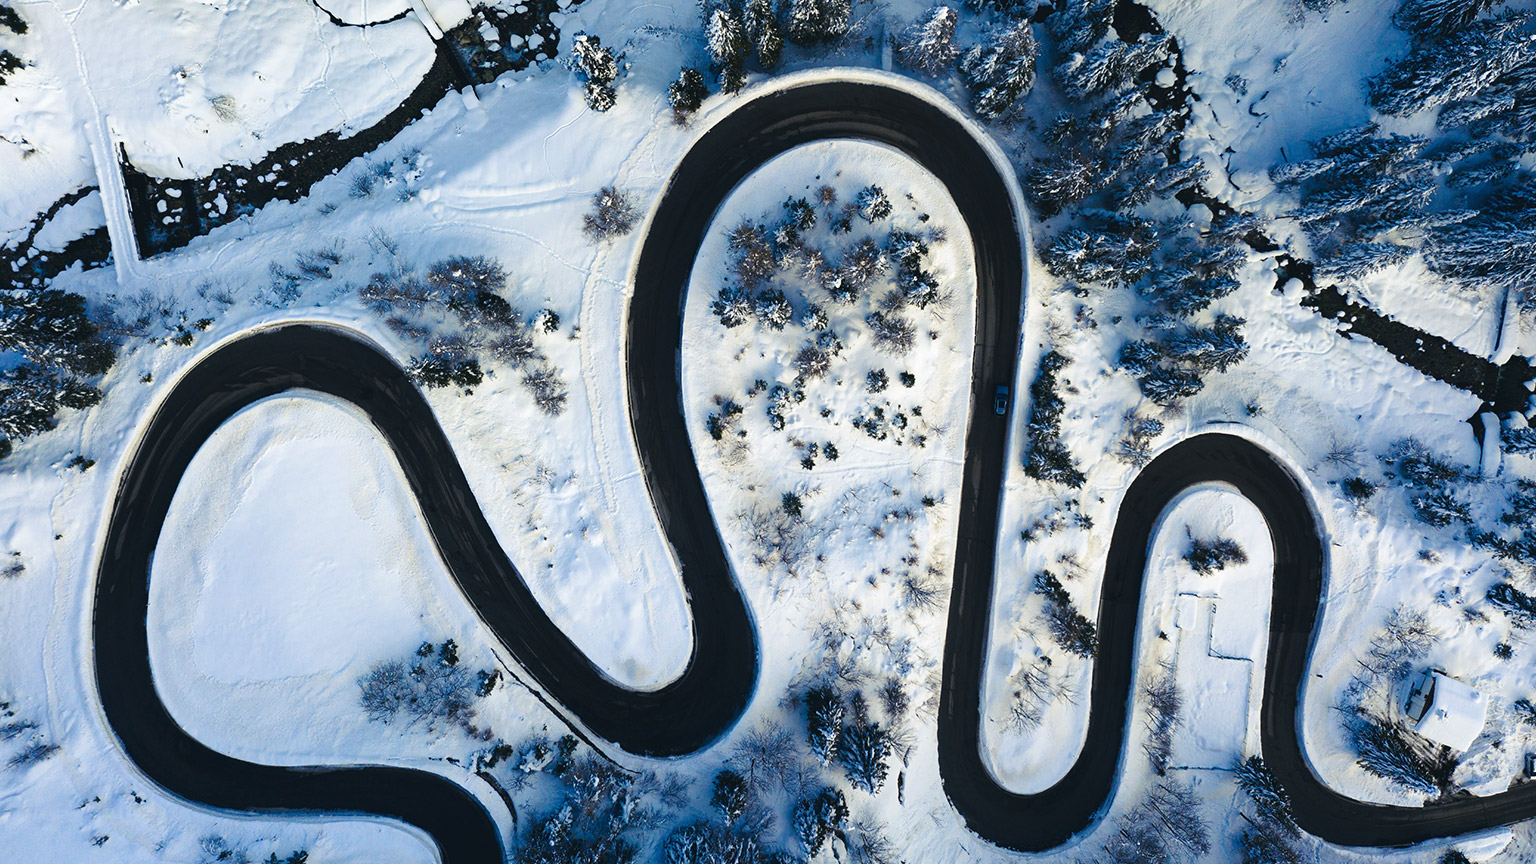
pixel 1001 70
pixel 928 44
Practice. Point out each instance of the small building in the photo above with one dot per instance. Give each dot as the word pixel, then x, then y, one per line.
pixel 1445 710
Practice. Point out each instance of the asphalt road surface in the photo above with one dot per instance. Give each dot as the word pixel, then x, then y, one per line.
pixel 708 698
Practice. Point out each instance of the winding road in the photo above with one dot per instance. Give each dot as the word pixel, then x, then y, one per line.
pixel 709 697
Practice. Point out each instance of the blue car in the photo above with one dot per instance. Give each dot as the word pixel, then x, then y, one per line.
pixel 1000 400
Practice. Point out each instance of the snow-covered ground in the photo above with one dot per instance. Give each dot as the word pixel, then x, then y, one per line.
pixel 295 559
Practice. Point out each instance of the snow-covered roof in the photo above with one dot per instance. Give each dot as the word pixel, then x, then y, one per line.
pixel 1453 712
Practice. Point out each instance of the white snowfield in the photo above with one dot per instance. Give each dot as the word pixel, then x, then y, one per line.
pixel 295 559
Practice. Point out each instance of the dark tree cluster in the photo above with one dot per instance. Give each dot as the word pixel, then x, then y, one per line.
pixel 430 686
pixel 600 809
pixel 12 21
pixel 1049 459
pixel 818 818
pixel 1358 187
pixel 59 348
pixel 1001 70
pixel 598 68
pixel 1269 798
pixel 1070 628
pixel 1164 702
pixel 1165 827
pixel 927 46
pixel 456 312
pixel 1109 147
pixel 612 215
pixel 740 32
pixel 1434 484
pixel 1211 556
pixel 1386 750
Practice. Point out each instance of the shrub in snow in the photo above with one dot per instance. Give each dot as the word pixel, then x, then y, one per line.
pixel 1384 749
pixel 928 44
pixel 876 381
pixel 547 388
pixel 1210 556
pixel 809 22
pixel 1525 711
pixel 1165 385
pixel 725 39
pixel 1036 686
pixel 818 817
pixel 1136 446
pixel 823 722
pixel 598 68
pixel 767 754
pixel 612 215
pixel 447 368
pixel 773 309
pixel 733 306
pixel 1358 491
pixel 38 751
pixel 1001 70
pixel 1406 636
pixel 873 204
pixel 707 844
pixel 1518 439
pixel 893 334
pixel 1110 249
pixel 12 21
pixel 58 346
pixel 687 93
pixel 429 688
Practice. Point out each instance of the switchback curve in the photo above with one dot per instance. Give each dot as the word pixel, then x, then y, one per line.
pixel 707 699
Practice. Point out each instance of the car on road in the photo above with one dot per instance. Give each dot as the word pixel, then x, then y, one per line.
pixel 1000 400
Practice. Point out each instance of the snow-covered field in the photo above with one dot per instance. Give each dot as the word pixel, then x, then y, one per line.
pixel 295 560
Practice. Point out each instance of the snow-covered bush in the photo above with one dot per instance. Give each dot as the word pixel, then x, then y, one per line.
pixel 764 30
pixel 1036 685
pixel 894 334
pixel 429 687
pixel 612 215
pixel 58 347
pixel 1435 19
pixel 1111 65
